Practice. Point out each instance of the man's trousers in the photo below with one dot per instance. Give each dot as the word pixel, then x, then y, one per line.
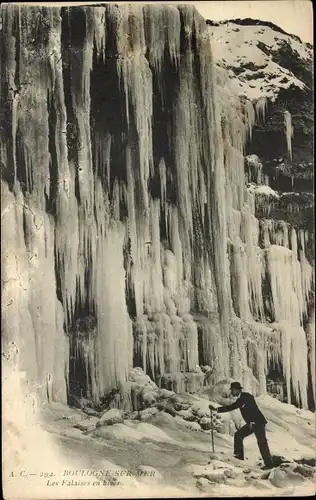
pixel 263 446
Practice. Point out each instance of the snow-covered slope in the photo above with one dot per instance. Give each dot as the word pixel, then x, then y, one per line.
pixel 255 54
pixel 155 454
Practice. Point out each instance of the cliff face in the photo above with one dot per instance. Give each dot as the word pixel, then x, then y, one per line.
pixel 128 234
pixel 273 70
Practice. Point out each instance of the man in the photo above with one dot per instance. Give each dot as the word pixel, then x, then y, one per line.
pixel 255 423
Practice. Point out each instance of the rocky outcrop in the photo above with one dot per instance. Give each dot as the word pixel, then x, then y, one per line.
pixel 266 63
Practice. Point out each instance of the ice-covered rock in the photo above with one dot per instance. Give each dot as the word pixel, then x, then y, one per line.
pixel 92 412
pixel 278 478
pixel 144 391
pixel 87 424
pixel 193 426
pixel 305 470
pixel 220 464
pixel 146 414
pixel 294 478
pixel 266 191
pixel 215 476
pixel 232 473
pixel 110 417
pixel 186 414
pixel 164 419
pixel 166 407
pixel 138 377
pixel 201 408
pixel 164 393
pixel 204 484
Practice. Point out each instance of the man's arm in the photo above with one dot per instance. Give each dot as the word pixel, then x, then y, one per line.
pixel 224 409
pixel 233 406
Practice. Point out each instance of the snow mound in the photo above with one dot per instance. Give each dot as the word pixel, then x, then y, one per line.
pixel 118 431
pixel 153 433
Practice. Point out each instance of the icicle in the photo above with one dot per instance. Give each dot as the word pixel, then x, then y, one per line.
pixel 290 300
pixel 250 117
pixel 153 275
pixel 114 338
pixel 99 29
pixel 163 181
pixel 239 274
pixel 162 31
pixel 261 108
pixel 213 348
pixel 254 269
pixel 288 131
pixel 254 167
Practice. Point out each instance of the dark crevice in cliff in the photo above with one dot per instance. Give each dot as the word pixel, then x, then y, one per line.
pixel 200 348
pixel 165 90
pixel 23 175
pixel 275 381
pixel 267 298
pixel 233 280
pixel 310 311
pixel 58 279
pixel 25 234
pixel 7 169
pixel 68 78
pixel 107 118
pixel 184 43
pixel 16 34
pixel 7 97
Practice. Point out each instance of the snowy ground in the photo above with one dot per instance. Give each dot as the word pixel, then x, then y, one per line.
pixel 174 458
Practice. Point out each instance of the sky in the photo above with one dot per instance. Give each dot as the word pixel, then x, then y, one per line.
pixel 293 16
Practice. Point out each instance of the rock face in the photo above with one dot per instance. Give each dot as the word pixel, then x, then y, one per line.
pixel 129 235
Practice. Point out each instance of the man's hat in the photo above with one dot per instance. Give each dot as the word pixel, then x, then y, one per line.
pixel 235 385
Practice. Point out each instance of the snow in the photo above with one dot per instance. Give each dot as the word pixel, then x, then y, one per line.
pixel 266 191
pixel 125 432
pixel 153 433
pixel 290 432
pixel 235 46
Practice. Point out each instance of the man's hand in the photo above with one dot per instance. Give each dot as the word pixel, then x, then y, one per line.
pixel 212 407
pixel 252 425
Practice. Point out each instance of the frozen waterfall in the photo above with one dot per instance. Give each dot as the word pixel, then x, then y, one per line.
pixel 124 198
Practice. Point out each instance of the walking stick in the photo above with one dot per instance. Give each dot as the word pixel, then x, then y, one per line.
pixel 212 431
